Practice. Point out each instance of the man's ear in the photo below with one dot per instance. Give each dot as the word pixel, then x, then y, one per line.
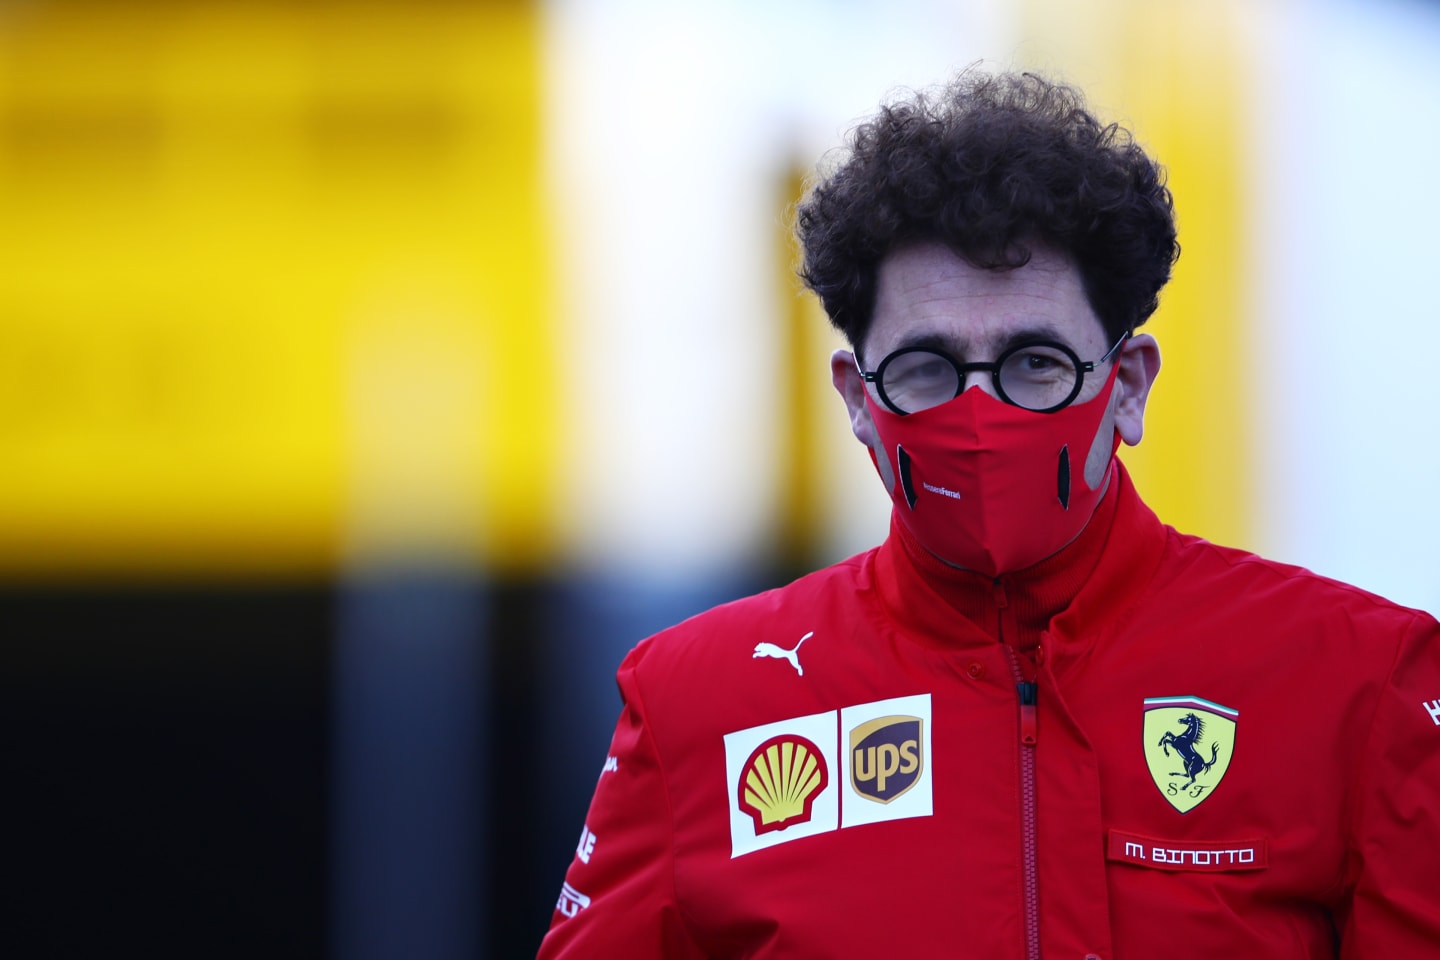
pixel 845 375
pixel 1139 365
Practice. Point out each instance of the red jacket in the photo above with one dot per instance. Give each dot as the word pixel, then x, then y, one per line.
pixel 1225 757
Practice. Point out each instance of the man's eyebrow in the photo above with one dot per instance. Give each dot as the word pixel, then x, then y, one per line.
pixel 948 345
pixel 1034 333
pixel 930 341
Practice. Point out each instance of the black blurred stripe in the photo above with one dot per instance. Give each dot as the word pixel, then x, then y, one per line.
pixel 167 755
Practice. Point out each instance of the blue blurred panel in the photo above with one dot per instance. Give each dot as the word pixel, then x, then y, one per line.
pixel 407 850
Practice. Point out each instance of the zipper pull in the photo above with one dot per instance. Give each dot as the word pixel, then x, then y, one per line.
pixel 1029 718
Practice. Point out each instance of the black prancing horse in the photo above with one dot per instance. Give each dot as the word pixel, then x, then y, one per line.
pixel 1184 745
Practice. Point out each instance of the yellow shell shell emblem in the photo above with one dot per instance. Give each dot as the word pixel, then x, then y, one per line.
pixel 1189 742
pixel 780 781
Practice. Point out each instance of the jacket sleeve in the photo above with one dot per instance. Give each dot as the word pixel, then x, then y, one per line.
pixel 618 898
pixel 1393 907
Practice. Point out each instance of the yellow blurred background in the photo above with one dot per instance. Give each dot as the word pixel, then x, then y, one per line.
pixel 273 274
pixel 281 288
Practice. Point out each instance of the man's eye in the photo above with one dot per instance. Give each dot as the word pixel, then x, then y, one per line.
pixel 918 369
pixel 1039 361
pixel 930 370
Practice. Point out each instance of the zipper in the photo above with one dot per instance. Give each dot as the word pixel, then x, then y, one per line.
pixel 1028 693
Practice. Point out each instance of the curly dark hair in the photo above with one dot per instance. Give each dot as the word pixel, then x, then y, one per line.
pixel 986 165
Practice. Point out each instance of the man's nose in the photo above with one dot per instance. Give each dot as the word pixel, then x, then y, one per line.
pixel 982 380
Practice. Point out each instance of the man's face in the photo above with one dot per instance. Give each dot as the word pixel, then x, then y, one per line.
pixel 928 296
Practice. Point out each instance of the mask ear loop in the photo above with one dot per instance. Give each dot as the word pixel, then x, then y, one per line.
pixel 1062 473
pixel 1063 479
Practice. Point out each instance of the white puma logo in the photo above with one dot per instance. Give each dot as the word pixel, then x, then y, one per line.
pixel 764 649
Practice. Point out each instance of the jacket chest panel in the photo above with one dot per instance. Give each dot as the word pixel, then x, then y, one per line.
pixel 901 826
pixel 866 890
pixel 1218 761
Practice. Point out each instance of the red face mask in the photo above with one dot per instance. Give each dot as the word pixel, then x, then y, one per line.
pixel 992 487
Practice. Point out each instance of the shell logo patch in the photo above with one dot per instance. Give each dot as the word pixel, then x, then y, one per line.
pixel 778 793
pixel 809 775
pixel 1189 742
pixel 780 781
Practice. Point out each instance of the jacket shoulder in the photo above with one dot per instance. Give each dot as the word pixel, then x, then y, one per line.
pixel 1246 582
pixel 694 648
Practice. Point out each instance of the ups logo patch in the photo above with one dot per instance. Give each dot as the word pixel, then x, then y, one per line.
pixel 886 757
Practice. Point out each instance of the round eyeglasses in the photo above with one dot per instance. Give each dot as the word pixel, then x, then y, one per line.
pixel 1042 375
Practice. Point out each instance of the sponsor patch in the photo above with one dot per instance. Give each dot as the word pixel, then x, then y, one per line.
pixel 780 783
pixel 885 757
pixel 1188 855
pixel 585 849
pixel 1188 744
pixel 1432 708
pixel 571 901
pixel 843 768
pixel 766 649
pixel 888 761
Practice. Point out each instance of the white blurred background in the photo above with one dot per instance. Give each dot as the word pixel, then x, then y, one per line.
pixel 1307 132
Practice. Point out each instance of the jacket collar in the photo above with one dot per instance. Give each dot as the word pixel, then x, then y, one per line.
pixel 1078 593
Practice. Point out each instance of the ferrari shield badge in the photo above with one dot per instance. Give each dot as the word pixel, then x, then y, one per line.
pixel 1188 745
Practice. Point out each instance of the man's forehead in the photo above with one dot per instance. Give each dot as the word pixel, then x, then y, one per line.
pixel 927 296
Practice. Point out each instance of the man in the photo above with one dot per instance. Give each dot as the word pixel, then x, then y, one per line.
pixel 1035 722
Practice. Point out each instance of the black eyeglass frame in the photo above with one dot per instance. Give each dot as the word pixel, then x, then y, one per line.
pixel 963 370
